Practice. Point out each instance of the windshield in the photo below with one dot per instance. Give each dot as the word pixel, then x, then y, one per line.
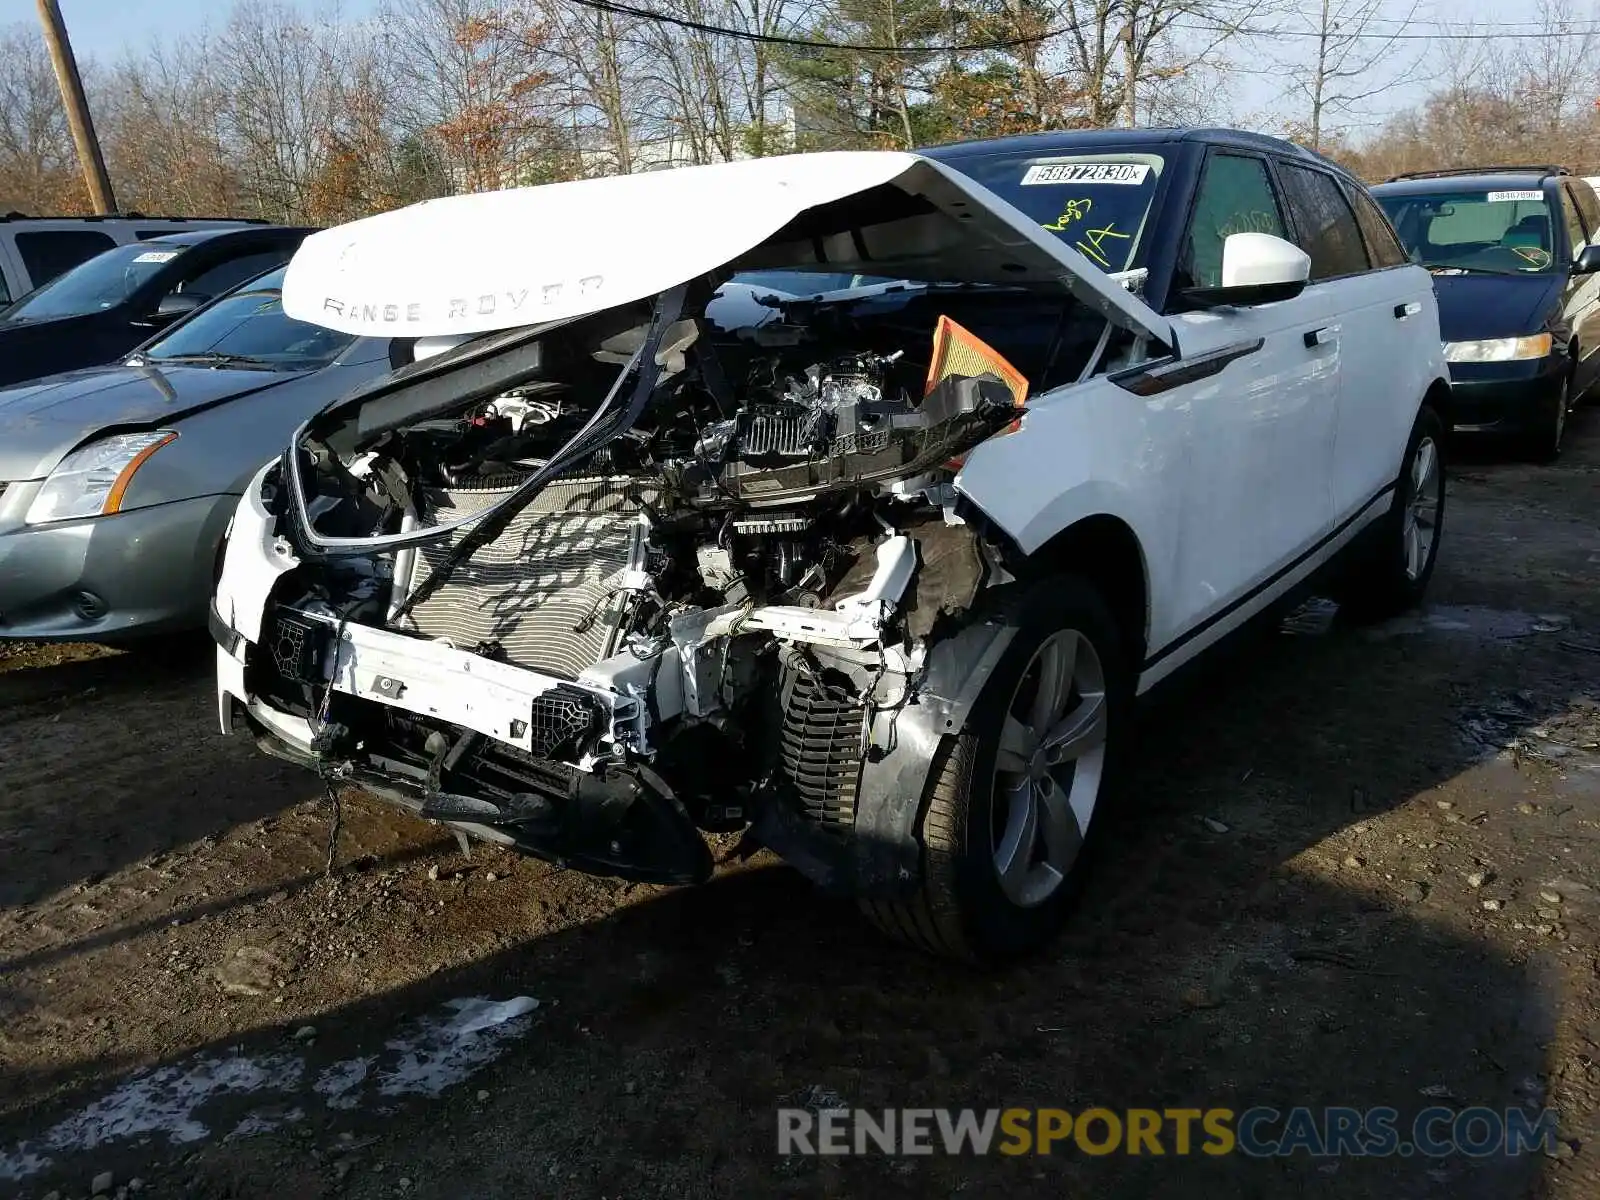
pixel 1096 203
pixel 1457 232
pixel 104 281
pixel 249 326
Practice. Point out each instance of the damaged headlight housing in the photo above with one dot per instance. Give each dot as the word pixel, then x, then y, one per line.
pixel 1498 349
pixel 92 480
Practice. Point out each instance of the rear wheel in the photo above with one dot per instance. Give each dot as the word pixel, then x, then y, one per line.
pixel 1393 561
pixel 1011 798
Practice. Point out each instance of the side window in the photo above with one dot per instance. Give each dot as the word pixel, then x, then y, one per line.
pixel 1382 244
pixel 224 276
pixel 1588 205
pixel 1235 196
pixel 1576 237
pixel 1327 226
pixel 48 252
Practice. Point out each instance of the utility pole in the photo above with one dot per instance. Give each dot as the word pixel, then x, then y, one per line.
pixel 77 106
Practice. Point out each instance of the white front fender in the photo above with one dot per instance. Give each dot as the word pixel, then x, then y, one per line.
pixel 254 559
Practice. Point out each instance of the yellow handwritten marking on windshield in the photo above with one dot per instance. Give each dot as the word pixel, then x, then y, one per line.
pixel 1075 210
pixel 1092 241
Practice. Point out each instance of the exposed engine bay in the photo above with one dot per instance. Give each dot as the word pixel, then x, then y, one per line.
pixel 593 589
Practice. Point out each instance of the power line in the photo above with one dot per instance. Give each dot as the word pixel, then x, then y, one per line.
pixel 773 39
pixel 1335 35
pixel 1403 34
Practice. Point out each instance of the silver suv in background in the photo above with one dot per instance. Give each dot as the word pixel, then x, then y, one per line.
pixel 34 250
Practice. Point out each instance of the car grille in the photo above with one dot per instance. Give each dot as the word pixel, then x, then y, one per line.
pixel 820 752
pixel 545 590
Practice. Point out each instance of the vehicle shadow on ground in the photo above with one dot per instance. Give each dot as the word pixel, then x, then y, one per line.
pixel 1210 963
pixel 107 760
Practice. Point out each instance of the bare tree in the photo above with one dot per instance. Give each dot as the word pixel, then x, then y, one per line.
pixel 166 130
pixel 478 84
pixel 1110 61
pixel 38 171
pixel 283 94
pixel 602 57
pixel 1514 100
pixel 759 85
pixel 1352 45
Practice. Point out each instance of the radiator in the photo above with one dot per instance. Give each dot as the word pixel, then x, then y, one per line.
pixel 545 589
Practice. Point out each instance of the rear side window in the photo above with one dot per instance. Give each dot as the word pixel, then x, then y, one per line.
pixel 225 276
pixel 1577 238
pixel 48 252
pixel 1327 226
pixel 1235 196
pixel 1382 243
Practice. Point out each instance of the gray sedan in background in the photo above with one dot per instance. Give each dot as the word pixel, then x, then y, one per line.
pixel 117 482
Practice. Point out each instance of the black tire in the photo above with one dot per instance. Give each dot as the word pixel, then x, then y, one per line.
pixel 960 910
pixel 1544 446
pixel 1377 581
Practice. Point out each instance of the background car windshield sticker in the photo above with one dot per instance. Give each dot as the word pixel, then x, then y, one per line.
pixel 1536 255
pixel 156 256
pixel 1512 197
pixel 1101 172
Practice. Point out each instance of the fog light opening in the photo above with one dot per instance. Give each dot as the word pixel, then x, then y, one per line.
pixel 89 606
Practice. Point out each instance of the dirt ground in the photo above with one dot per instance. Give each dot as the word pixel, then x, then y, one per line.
pixel 1355 868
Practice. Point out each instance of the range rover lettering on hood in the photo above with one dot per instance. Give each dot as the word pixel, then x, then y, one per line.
pixel 478 263
pixel 523 303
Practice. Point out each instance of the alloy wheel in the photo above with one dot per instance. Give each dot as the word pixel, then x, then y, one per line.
pixel 1048 767
pixel 1420 526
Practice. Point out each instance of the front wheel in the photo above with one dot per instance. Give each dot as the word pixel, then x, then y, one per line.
pixel 1010 799
pixel 1544 446
pixel 1393 560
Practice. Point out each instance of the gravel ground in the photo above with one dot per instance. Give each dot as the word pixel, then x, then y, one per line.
pixel 1355 868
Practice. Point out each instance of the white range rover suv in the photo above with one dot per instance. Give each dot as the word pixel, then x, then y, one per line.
pixel 847 500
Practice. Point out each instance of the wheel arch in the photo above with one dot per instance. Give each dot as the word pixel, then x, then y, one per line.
pixel 1436 397
pixel 1105 550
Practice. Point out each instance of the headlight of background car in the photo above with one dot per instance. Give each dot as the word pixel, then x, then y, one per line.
pixel 91 481
pixel 1498 349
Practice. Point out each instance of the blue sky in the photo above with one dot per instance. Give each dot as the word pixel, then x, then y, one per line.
pixel 102 29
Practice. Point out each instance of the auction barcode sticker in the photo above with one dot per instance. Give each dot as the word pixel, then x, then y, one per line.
pixel 1102 172
pixel 1506 197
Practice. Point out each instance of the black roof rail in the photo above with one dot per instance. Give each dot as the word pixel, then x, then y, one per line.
pixel 1494 169
pixel 126 216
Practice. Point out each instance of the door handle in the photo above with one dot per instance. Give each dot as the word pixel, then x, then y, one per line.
pixel 1409 309
pixel 1319 337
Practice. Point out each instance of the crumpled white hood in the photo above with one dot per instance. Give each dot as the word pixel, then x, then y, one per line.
pixel 497 260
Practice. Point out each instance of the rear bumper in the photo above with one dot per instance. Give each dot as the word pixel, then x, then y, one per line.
pixel 1505 398
pixel 141 572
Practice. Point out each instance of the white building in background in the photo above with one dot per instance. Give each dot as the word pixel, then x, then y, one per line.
pixel 656 154
pixel 650 154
